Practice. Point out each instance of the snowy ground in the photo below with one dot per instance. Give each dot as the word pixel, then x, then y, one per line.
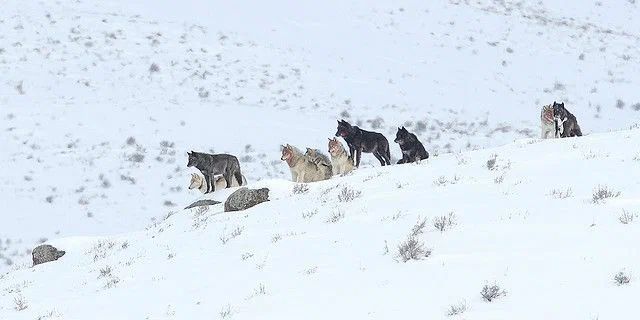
pixel 100 102
pixel 331 252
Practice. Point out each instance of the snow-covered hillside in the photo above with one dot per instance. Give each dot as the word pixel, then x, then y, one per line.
pixel 101 100
pixel 523 217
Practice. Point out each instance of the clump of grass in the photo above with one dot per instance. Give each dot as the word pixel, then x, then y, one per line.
pixel 627 217
pixel 335 216
pixel 621 278
pixel 347 194
pixel 492 292
pixel 412 248
pixel 300 188
pixel 224 238
pixel 561 194
pixel 457 309
pixel 603 192
pixel 491 163
pixel 443 223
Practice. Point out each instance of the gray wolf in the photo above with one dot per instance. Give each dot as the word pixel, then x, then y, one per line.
pixel 302 168
pixel 341 163
pixel 359 141
pixel 211 164
pixel 568 121
pixel 412 148
pixel 197 182
pixel 321 160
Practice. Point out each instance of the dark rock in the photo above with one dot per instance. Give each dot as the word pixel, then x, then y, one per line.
pixel 201 203
pixel 245 198
pixel 46 253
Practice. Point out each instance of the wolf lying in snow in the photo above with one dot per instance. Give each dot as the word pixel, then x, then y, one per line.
pixel 567 122
pixel 211 164
pixel 341 163
pixel 360 141
pixel 197 182
pixel 302 168
pixel 321 160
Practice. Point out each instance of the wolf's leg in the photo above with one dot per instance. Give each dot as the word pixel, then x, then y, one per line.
pixel 357 158
pixel 207 179
pixel 387 154
pixel 238 176
pixel 227 178
pixel 379 157
pixel 352 151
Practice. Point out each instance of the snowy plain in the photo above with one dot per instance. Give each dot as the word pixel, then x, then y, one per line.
pixel 100 101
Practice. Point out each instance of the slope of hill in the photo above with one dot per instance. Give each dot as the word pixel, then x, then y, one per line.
pixel 100 101
pixel 540 219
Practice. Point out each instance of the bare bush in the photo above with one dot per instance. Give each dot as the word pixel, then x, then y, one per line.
pixel 418 228
pixel 443 223
pixel 561 194
pixel 335 216
pixel 105 272
pixel 457 309
pixel 224 238
pixel 347 194
pixel 492 292
pixel 20 303
pixel 603 192
pixel 412 249
pixel 154 68
pixel 300 188
pixel 491 163
pixel 621 278
pixel 627 217
pixel 309 214
pixel 225 312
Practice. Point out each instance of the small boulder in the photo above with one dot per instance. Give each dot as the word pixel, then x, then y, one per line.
pixel 245 198
pixel 46 253
pixel 202 203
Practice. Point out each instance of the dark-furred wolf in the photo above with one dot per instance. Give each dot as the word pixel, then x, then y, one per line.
pixel 360 141
pixel 211 164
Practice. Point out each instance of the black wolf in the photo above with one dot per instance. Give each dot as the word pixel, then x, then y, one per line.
pixel 568 121
pixel 360 141
pixel 211 164
pixel 412 148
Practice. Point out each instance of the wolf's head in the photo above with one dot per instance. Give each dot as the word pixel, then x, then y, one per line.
pixel 196 181
pixel 287 152
pixel 334 146
pixel 559 110
pixel 310 152
pixel 402 136
pixel 344 129
pixel 193 158
pixel 547 112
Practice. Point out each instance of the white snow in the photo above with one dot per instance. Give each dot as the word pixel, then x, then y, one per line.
pixel 244 77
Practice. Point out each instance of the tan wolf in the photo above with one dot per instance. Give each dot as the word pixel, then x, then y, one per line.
pixel 197 182
pixel 341 163
pixel 303 170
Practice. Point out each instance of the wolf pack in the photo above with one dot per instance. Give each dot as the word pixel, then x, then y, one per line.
pixel 220 171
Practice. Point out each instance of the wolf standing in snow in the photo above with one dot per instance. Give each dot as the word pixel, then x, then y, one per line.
pixel 321 160
pixel 360 141
pixel 211 164
pixel 341 163
pixel 302 168
pixel 567 122
pixel 412 148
